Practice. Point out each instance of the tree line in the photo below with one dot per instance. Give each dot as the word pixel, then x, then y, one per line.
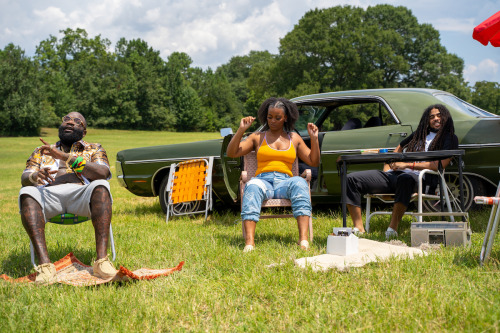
pixel 133 87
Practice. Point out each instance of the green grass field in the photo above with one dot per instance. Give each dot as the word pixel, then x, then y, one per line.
pixel 222 289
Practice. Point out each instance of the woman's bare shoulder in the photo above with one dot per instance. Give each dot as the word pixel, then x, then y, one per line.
pixel 295 137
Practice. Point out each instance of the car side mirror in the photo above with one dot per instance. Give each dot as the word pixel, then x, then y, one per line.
pixel 226 131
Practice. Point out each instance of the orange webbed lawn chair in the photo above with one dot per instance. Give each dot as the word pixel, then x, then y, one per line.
pixel 190 187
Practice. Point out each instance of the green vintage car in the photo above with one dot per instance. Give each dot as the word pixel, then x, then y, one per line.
pixel 349 122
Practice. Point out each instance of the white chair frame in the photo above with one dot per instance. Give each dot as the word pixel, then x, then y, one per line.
pixel 111 241
pixel 492 228
pixel 420 196
pixel 207 194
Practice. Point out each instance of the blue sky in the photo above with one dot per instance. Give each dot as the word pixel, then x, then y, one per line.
pixel 212 31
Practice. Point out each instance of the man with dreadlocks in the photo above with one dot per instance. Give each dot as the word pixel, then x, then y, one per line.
pixel 434 132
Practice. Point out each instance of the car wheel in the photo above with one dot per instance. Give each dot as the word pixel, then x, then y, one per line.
pixel 180 208
pixel 472 187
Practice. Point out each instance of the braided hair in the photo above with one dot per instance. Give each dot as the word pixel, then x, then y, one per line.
pixel 291 112
pixel 417 143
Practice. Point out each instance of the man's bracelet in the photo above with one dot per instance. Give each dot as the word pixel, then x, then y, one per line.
pixel 79 168
pixel 33 181
pixel 76 162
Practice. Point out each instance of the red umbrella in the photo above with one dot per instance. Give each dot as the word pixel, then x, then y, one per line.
pixel 488 31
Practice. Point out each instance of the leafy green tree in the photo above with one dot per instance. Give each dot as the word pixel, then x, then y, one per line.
pixel 342 48
pixel 238 69
pixel 221 108
pixel 247 76
pixel 21 110
pixel 486 95
pixel 184 101
pixel 81 75
pixel 150 73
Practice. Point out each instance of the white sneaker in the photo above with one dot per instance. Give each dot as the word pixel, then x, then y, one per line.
pixel 357 232
pixel 304 244
pixel 248 248
pixel 390 233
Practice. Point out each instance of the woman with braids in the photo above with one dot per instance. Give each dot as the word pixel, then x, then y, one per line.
pixel 277 147
pixel 434 132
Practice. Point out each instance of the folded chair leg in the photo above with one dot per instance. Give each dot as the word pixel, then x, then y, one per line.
pixel 368 215
pixel 168 213
pixel 112 242
pixel 489 236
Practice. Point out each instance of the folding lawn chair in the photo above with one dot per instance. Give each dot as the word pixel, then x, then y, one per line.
pixel 71 219
pixel 388 198
pixel 189 187
pixel 492 228
pixel 249 169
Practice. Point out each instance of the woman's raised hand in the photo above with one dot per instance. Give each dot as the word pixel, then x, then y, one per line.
pixel 312 130
pixel 246 122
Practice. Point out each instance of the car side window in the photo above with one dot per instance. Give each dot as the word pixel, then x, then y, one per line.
pixel 357 115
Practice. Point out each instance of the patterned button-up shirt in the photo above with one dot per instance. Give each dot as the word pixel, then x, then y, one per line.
pixel 91 152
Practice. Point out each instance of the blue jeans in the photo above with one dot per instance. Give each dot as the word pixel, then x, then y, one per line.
pixel 275 185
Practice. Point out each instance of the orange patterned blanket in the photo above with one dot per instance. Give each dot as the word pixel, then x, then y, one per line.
pixel 72 271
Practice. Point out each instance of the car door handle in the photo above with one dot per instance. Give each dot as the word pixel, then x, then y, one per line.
pixel 403 134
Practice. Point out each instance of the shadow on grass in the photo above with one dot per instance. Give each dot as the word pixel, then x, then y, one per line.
pixel 260 238
pixel 226 218
pixel 18 264
pixel 142 209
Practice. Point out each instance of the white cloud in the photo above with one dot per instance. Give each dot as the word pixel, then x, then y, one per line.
pixel 152 15
pixel 221 33
pixel 50 14
pixel 486 70
pixel 213 31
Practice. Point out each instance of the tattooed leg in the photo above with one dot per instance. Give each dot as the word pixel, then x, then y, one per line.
pixel 34 224
pixel 100 208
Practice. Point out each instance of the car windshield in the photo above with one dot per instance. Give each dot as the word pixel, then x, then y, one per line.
pixel 308 114
pixel 464 107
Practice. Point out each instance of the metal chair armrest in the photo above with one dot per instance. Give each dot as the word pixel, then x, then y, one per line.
pixel 244 177
pixel 307 174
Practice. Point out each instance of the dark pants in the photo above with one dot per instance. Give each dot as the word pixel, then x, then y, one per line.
pixel 375 181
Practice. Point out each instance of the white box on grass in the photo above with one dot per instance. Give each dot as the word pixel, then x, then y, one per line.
pixel 344 244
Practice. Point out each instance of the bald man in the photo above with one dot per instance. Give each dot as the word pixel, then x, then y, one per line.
pixel 67 177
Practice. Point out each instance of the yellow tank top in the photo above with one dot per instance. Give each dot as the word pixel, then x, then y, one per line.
pixel 270 159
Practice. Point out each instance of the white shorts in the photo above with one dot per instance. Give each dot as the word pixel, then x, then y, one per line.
pixel 64 198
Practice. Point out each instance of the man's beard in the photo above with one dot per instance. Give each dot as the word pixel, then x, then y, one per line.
pixel 68 139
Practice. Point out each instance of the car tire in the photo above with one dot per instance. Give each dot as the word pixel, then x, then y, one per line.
pixel 180 208
pixel 163 195
pixel 472 187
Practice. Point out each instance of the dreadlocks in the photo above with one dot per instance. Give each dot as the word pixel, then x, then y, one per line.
pixel 447 128
pixel 291 112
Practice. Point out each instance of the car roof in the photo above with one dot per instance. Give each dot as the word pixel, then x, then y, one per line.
pixel 368 92
pixel 406 103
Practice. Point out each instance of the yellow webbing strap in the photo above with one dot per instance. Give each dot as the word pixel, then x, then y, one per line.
pixel 189 181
